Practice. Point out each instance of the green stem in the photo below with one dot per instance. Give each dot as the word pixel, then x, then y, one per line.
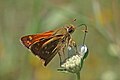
pixel 78 75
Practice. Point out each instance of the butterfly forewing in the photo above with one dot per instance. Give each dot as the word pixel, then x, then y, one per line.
pixel 30 39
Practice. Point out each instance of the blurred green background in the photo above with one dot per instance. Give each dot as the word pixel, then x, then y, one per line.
pixel 23 17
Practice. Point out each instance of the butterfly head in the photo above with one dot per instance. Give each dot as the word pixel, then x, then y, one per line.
pixel 70 29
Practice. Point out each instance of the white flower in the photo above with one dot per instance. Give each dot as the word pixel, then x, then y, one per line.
pixel 75 62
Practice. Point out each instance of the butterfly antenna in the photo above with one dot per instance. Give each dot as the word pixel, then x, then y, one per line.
pixel 85 32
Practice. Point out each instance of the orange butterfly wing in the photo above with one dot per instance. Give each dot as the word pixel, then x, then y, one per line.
pixel 45 45
pixel 35 44
pixel 31 39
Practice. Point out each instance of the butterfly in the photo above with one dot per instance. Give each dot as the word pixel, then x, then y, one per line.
pixel 47 44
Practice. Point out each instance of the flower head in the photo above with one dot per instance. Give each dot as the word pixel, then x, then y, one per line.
pixel 74 63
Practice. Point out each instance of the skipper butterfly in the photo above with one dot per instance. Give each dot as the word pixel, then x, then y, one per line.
pixel 47 44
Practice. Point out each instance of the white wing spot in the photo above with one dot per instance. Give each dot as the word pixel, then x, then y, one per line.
pixel 46 47
pixel 47 52
pixel 30 37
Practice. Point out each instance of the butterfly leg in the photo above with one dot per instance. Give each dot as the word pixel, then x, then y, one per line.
pixel 61 54
pixel 60 58
pixel 74 45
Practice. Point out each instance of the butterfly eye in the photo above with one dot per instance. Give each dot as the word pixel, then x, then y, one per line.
pixel 70 29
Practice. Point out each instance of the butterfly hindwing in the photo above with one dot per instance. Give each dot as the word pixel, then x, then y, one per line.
pixel 47 51
pixel 35 48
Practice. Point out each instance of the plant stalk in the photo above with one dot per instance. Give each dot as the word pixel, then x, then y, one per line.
pixel 78 75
